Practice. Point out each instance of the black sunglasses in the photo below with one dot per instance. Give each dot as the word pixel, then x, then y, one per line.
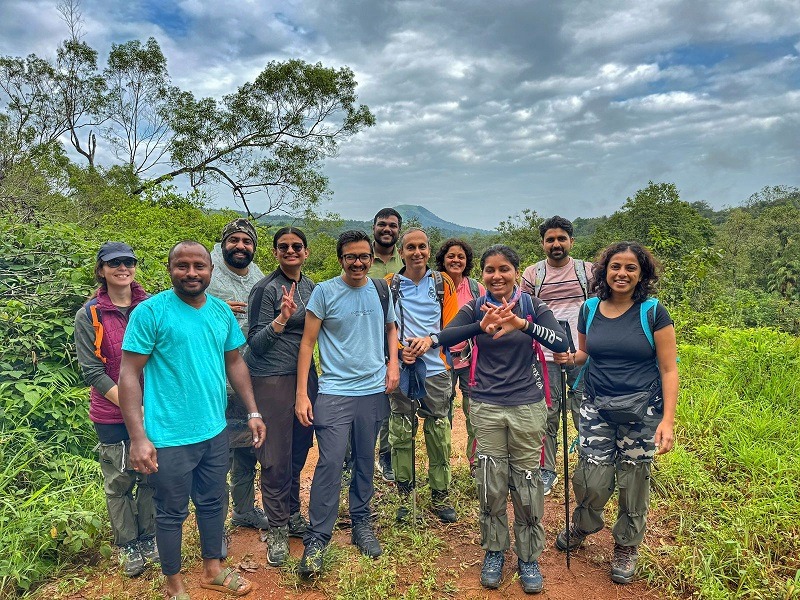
pixel 297 247
pixel 115 262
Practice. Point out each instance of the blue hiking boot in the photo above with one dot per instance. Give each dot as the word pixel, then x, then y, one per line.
pixel 492 569
pixel 530 576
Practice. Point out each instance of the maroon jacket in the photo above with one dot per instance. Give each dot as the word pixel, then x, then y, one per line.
pixel 101 409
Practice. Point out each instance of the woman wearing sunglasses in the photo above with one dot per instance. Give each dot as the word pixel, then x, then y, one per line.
pixel 276 313
pixel 99 328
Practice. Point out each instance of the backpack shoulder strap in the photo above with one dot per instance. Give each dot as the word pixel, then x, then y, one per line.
pixel 580 273
pixel 590 306
pixel 382 287
pixel 541 271
pixel 438 282
pixel 393 282
pixel 479 301
pixel 645 310
pixel 95 315
pixel 474 290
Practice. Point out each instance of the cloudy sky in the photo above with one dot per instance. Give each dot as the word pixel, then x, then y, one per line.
pixel 485 108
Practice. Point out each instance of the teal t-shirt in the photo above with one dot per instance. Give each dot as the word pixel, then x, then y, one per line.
pixel 184 378
pixel 351 338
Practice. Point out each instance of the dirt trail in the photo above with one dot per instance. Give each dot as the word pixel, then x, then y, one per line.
pixel 588 578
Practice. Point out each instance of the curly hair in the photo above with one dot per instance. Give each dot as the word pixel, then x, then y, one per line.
pixel 650 267
pixel 445 249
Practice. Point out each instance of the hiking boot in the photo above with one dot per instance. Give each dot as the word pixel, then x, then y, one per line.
pixel 442 507
pixel 254 518
pixel 311 563
pixel 623 563
pixel 149 550
pixel 384 466
pixel 492 569
pixel 549 479
pixel 277 545
pixel 297 525
pixel 404 489
pixel 530 576
pixel 131 559
pixel 576 537
pixel 364 539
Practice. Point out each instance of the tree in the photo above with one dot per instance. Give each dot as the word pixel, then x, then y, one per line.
pixel 657 215
pixel 521 232
pixel 268 137
pixel 138 103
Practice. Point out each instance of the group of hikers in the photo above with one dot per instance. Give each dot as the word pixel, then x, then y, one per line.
pixel 217 375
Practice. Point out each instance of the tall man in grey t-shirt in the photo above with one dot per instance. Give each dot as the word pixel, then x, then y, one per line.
pixel 233 277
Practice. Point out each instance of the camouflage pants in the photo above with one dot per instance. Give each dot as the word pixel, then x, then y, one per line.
pixel 610 456
pixel 509 448
pixel 403 426
pixel 131 511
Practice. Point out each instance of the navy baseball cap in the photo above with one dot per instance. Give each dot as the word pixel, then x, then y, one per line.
pixel 111 250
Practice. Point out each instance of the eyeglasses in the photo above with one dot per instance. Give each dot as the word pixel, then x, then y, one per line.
pixel 351 258
pixel 285 247
pixel 116 262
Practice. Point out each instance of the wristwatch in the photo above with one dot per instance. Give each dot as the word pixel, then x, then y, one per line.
pixel 254 416
pixel 434 340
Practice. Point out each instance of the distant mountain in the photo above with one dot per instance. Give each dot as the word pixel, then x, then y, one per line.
pixel 427 219
pixel 409 212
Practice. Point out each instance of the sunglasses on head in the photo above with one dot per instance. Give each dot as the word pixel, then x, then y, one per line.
pixel 297 247
pixel 115 262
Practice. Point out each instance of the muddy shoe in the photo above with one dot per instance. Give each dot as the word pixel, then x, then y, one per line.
pixel 492 569
pixel 277 546
pixel 254 518
pixel 442 507
pixel 364 538
pixel 530 576
pixel 131 559
pixel 576 537
pixel 149 550
pixel 311 563
pixel 623 564
pixel 297 525
pixel 549 479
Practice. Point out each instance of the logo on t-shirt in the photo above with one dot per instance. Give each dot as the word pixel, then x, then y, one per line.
pixel 364 312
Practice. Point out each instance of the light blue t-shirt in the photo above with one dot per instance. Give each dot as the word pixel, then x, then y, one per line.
pixel 184 378
pixel 351 338
pixel 419 314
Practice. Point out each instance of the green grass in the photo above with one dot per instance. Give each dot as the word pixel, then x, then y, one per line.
pixel 51 510
pixel 729 492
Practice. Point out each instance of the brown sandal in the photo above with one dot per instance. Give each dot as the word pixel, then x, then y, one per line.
pixel 234 585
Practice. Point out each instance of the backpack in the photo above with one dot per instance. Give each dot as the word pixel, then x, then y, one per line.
pixel 580 273
pixel 438 282
pixel 526 304
pixel 473 287
pixel 95 315
pixel 645 309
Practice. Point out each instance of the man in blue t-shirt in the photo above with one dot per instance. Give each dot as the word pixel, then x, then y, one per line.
pixel 185 342
pixel 345 314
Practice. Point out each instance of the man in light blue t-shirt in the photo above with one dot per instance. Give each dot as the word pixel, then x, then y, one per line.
pixel 346 315
pixel 185 342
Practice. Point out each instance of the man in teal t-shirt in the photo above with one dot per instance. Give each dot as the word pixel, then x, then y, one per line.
pixel 185 342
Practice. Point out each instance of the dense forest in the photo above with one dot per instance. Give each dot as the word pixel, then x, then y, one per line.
pixel 730 279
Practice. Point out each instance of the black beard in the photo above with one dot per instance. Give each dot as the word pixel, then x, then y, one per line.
pixel 382 245
pixel 235 262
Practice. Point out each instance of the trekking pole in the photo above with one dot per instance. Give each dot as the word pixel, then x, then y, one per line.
pixel 414 404
pixel 564 437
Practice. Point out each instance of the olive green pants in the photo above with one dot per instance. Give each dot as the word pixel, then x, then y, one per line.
pixel 509 451
pixel 403 426
pixel 129 495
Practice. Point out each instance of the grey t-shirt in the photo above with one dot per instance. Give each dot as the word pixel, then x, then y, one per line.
pixel 622 360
